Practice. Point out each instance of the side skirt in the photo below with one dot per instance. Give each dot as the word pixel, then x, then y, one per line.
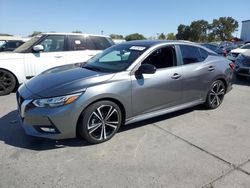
pixel 163 111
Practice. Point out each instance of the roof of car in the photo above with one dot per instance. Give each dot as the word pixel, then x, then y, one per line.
pixel 150 43
pixel 84 34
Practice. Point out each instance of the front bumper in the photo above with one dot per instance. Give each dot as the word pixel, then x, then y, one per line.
pixel 34 120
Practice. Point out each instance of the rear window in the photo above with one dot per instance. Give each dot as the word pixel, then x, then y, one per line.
pixel 192 54
pixel 98 43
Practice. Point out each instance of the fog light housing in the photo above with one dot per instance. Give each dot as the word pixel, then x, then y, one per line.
pixel 48 129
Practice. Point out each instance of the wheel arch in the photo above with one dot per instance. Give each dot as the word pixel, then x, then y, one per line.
pixel 116 101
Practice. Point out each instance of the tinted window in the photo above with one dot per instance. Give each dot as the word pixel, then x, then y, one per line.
pixel 192 54
pixel 115 59
pixel 53 43
pixel 162 58
pixel 98 43
pixel 77 42
pixel 247 46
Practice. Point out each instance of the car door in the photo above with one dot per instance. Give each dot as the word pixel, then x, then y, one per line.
pixel 198 72
pixel 53 55
pixel 160 90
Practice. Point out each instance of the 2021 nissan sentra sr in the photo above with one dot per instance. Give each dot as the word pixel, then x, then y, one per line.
pixel 126 83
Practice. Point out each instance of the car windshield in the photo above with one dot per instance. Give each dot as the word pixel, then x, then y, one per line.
pixel 115 59
pixel 247 46
pixel 27 44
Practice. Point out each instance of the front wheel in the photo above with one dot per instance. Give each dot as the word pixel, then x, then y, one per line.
pixel 7 82
pixel 100 121
pixel 215 94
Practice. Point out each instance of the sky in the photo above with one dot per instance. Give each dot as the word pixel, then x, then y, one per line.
pixel 147 17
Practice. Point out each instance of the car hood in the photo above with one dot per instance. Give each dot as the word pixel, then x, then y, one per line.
pixel 64 80
pixel 238 50
pixel 11 55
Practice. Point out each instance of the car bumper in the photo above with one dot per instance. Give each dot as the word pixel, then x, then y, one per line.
pixel 52 123
pixel 242 71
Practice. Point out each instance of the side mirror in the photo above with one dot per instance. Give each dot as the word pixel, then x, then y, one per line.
pixel 146 69
pixel 38 48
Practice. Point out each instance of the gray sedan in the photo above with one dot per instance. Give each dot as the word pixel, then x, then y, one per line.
pixel 126 83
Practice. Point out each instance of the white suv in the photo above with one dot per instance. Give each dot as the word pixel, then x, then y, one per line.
pixel 46 51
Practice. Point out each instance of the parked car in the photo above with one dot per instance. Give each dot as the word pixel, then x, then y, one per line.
pixel 46 51
pixel 242 65
pixel 228 46
pixel 126 83
pixel 10 45
pixel 215 48
pixel 234 53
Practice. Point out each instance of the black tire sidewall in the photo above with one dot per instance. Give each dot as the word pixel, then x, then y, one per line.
pixel 83 130
pixel 13 85
pixel 208 102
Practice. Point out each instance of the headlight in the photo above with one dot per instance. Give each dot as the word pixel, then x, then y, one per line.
pixel 56 101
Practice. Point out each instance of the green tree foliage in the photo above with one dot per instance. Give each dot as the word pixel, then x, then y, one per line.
pixel 162 36
pixel 202 31
pixel 134 36
pixel 183 32
pixel 116 36
pixel 198 31
pixel 35 33
pixel 171 36
pixel 76 31
pixel 224 27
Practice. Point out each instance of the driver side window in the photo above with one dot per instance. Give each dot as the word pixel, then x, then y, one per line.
pixel 162 58
pixel 53 43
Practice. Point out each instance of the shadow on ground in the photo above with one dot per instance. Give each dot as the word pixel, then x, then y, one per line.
pixel 11 132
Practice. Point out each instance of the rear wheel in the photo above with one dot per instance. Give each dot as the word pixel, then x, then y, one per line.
pixel 215 95
pixel 100 121
pixel 7 82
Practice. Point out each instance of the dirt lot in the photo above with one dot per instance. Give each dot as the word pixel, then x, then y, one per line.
pixel 190 148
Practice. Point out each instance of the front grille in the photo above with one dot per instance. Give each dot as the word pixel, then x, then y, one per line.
pixel 244 71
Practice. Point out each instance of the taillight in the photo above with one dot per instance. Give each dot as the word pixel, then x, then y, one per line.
pixel 225 53
pixel 231 65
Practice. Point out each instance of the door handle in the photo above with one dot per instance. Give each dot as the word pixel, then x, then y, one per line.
pixel 58 56
pixel 90 55
pixel 176 76
pixel 210 68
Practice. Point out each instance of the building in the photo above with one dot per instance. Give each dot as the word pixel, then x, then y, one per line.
pixel 245 31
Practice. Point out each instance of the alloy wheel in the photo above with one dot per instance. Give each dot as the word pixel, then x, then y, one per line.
pixel 103 122
pixel 7 82
pixel 216 94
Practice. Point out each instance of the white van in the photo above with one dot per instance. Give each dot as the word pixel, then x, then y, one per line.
pixel 46 51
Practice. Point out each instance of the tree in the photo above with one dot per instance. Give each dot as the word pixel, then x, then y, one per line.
pixel 162 36
pixel 183 32
pixel 116 36
pixel 171 36
pixel 35 33
pixel 223 27
pixel 198 31
pixel 134 36
pixel 77 31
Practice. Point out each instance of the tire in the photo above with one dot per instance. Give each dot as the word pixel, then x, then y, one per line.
pixel 7 82
pixel 215 94
pixel 100 122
